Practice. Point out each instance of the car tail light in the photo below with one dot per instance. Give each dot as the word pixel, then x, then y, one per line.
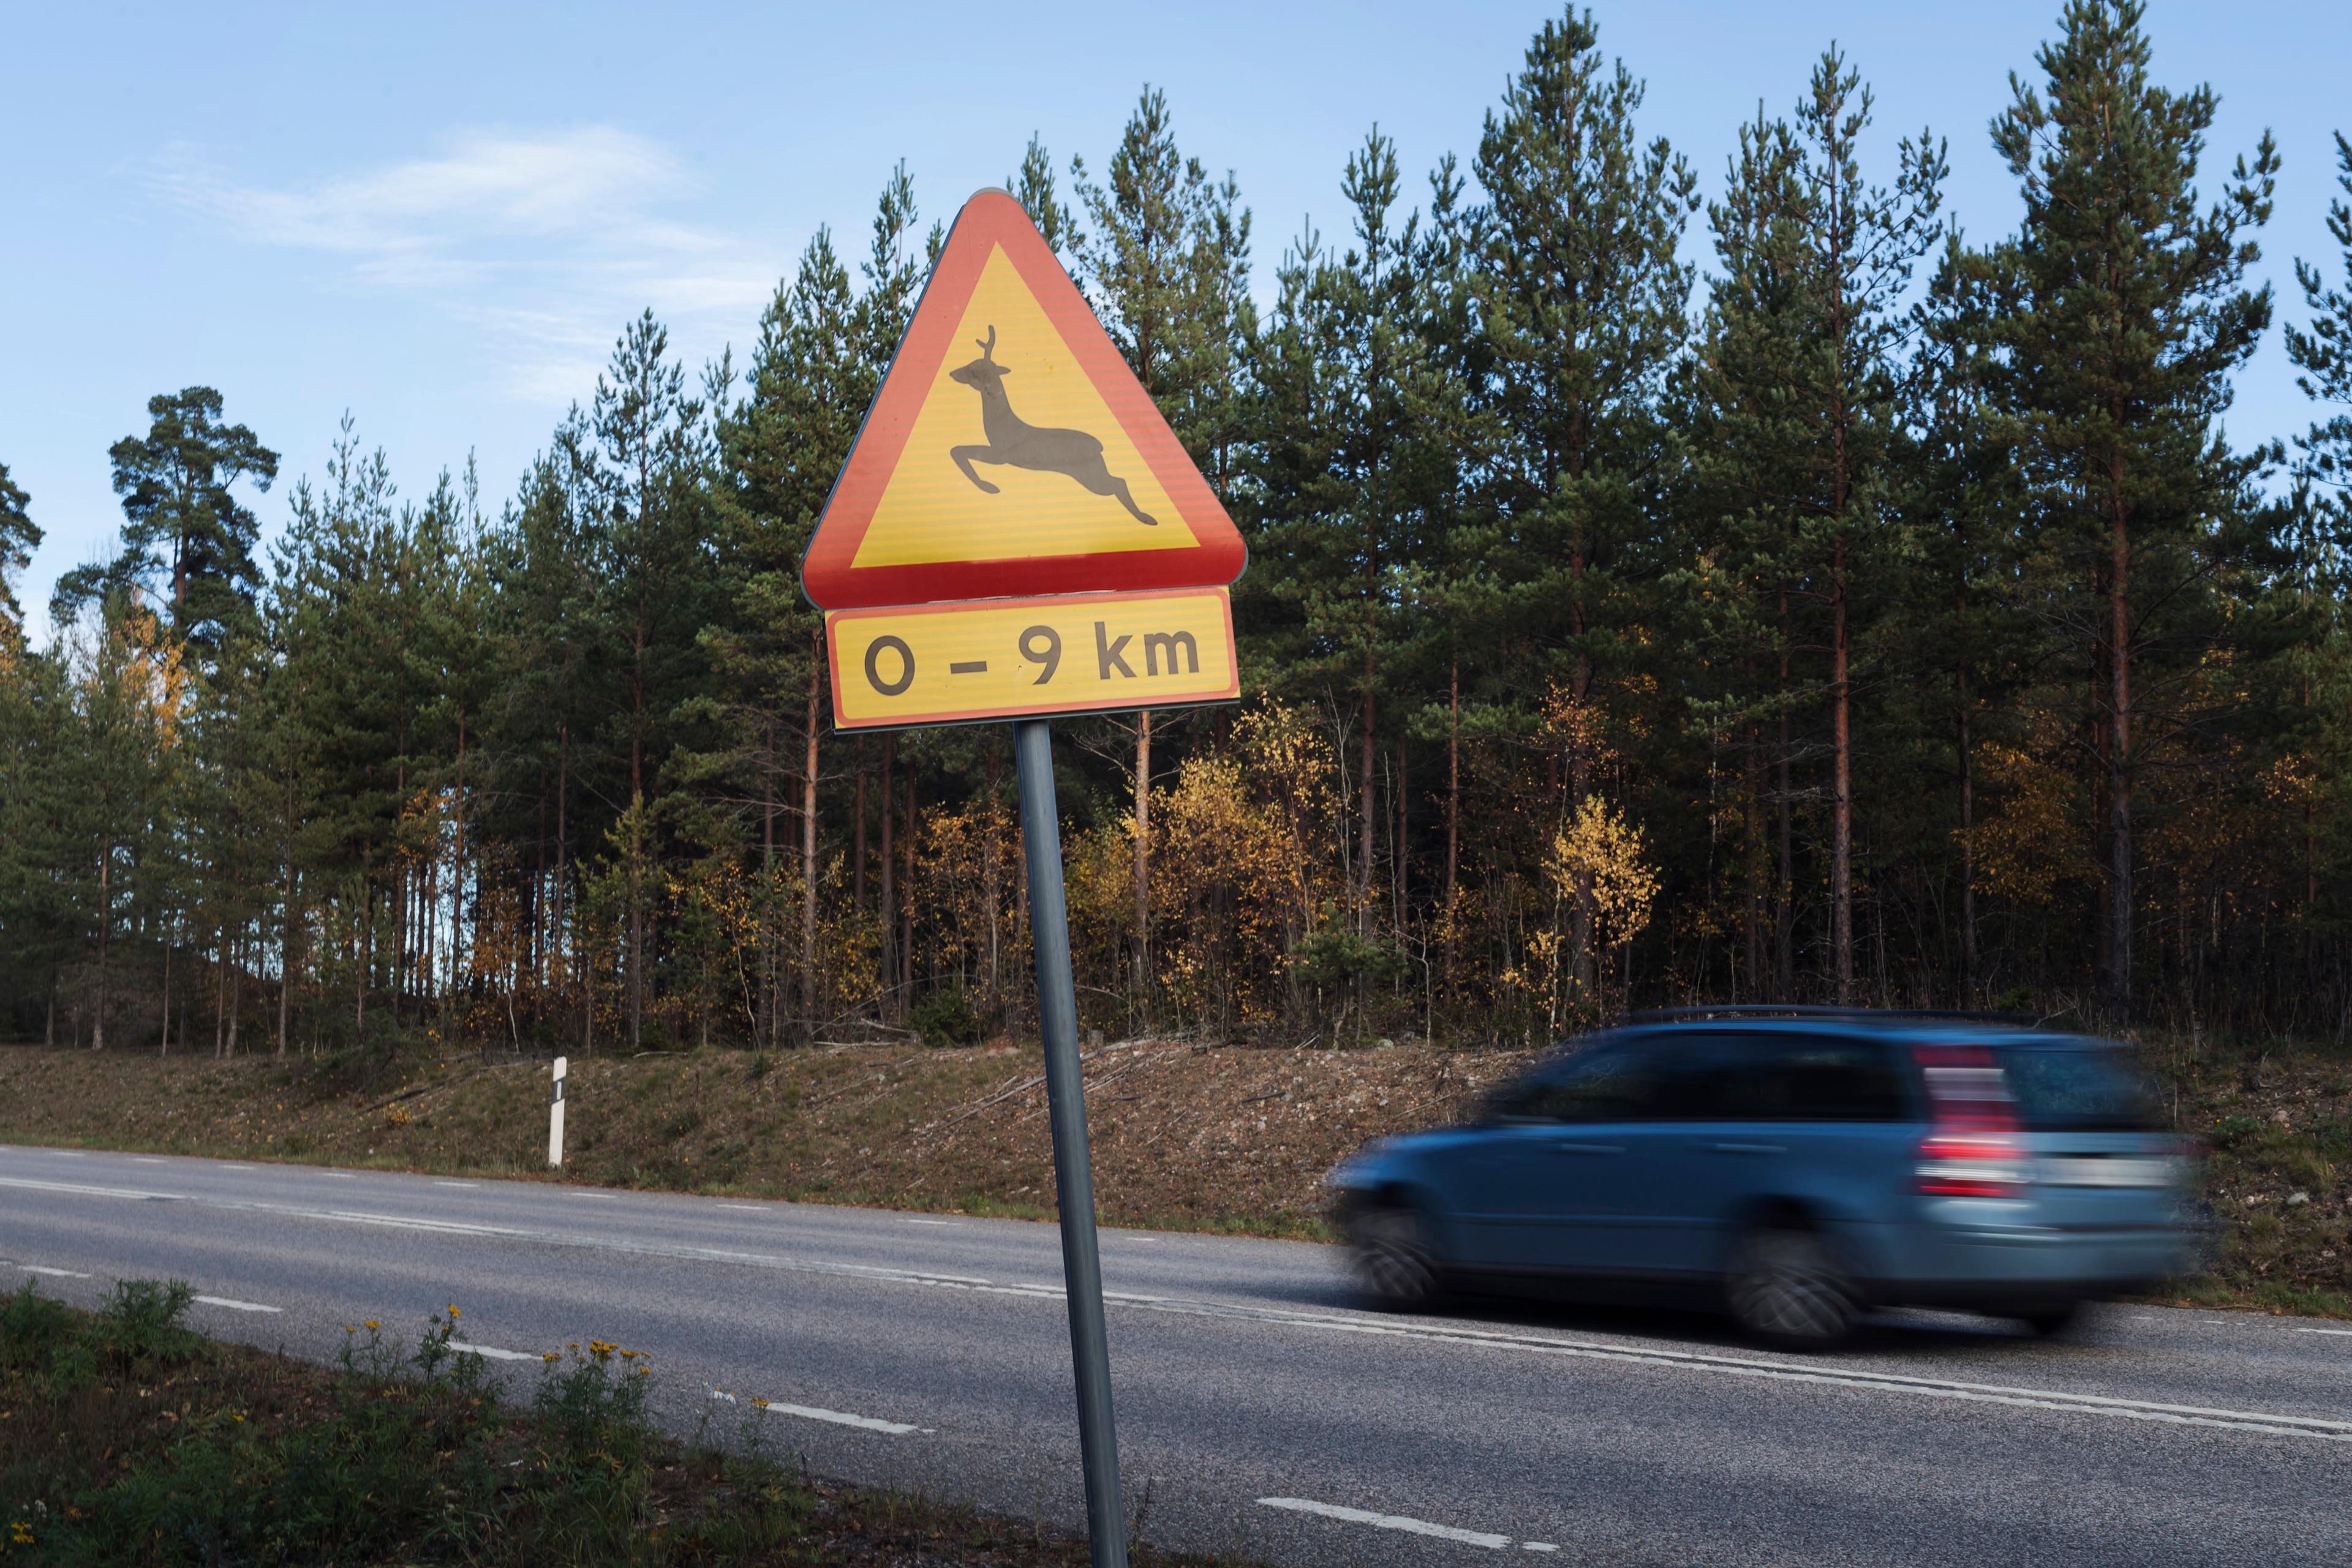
pixel 1971 1166
pixel 1974 1150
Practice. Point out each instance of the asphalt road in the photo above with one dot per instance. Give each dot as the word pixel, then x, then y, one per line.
pixel 1260 1409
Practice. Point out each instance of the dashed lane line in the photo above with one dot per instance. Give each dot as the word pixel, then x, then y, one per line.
pixel 53 1273
pixel 234 1305
pixel 493 1352
pixel 2336 1429
pixel 1487 1539
pixel 842 1418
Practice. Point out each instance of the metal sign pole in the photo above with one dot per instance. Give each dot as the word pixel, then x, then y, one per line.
pixel 1073 1182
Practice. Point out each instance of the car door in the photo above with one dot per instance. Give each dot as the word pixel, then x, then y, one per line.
pixel 1547 1190
pixel 1772 1116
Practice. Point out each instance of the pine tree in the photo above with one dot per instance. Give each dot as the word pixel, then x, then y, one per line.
pixel 1166 264
pixel 2323 354
pixel 19 537
pixel 1032 187
pixel 1970 638
pixel 2130 314
pixel 185 525
pixel 1353 514
pixel 1801 369
pixel 1581 299
pixel 652 462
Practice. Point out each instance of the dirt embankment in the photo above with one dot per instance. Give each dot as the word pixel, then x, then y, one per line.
pixel 1183 1135
pixel 1225 1138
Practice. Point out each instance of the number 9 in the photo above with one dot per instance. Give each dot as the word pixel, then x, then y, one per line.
pixel 1049 654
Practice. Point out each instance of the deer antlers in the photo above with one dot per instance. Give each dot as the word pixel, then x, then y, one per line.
pixel 988 349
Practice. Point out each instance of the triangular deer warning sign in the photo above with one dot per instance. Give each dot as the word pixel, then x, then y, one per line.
pixel 1011 451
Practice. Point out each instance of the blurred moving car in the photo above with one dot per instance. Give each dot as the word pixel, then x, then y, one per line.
pixel 1799 1165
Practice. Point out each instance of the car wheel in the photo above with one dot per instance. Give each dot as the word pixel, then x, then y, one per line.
pixel 1785 1287
pixel 1392 1256
pixel 2050 1319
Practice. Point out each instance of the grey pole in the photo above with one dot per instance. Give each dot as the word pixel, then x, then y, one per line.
pixel 1073 1180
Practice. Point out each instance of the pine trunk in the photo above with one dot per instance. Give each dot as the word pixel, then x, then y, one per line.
pixel 2119 778
pixel 1142 977
pixel 1365 814
pixel 1968 853
pixel 808 855
pixel 888 911
pixel 1840 784
pixel 105 927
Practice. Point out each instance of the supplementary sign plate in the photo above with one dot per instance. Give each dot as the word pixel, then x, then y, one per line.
pixel 1068 653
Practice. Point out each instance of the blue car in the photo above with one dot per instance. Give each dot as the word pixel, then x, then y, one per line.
pixel 1796 1165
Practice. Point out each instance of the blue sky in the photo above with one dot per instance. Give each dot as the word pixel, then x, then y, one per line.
pixel 440 217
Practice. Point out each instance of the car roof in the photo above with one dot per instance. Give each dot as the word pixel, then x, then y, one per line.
pixel 1921 1028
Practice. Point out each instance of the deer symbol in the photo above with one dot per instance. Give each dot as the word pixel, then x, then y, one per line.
pixel 1015 443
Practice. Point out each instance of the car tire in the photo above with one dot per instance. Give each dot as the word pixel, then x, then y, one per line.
pixel 1393 1261
pixel 2048 1319
pixel 1785 1287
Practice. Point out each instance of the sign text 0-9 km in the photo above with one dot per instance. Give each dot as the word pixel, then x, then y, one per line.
pixel 1059 654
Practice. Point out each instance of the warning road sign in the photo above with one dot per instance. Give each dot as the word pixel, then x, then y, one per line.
pixel 1011 451
pixel 1017 533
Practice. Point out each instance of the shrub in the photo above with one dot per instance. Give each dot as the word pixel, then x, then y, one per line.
pixel 947 1018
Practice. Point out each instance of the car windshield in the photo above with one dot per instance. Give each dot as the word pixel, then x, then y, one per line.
pixel 2077 1088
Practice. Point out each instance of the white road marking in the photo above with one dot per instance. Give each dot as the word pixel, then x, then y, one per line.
pixel 456 1184
pixel 2346 1331
pixel 55 1273
pixel 237 1306
pixel 841 1418
pixel 240 1167
pixel 493 1352
pixel 945 1222
pixel 1539 1546
pixel 1388 1521
pixel 746 1208
pixel 398 1222
pixel 71 1153
pixel 2336 1429
pixel 341 1175
pixel 147 1159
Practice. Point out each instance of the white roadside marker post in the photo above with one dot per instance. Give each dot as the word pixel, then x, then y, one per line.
pixel 556 1117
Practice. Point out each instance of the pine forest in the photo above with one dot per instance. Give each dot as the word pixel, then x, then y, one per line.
pixel 1783 597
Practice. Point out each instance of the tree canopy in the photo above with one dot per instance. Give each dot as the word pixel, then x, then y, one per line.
pixel 1778 597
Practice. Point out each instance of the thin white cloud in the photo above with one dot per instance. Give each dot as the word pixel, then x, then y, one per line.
pixel 546 241
pixel 487 185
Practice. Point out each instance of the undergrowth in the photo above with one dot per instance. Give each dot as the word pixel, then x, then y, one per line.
pixel 128 1439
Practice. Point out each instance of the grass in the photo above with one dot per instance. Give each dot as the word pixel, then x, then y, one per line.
pixel 1229 1141
pixel 127 1439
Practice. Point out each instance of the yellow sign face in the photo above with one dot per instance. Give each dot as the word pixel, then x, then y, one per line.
pixel 1006 658
pixel 954 497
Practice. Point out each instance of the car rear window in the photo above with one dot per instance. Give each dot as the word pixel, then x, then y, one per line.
pixel 2077 1088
